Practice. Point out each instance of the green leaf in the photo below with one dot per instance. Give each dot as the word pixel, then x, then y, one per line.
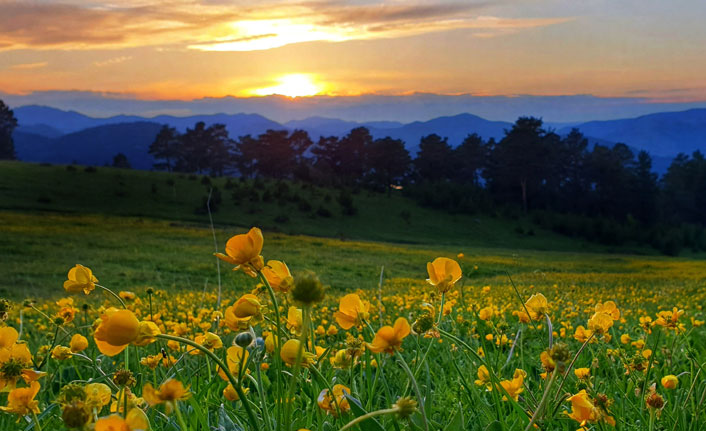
pixel 357 408
pixel 494 426
pixel 457 421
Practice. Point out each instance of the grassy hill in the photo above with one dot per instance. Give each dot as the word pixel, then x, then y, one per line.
pixel 285 207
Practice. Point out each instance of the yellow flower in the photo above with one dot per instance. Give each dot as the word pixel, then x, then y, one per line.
pixel 351 310
pixel 290 350
pixel 270 343
pixel 21 400
pixel 236 357
pixel 78 343
pixel 97 395
pixel 483 377
pixel 547 362
pixel 61 353
pixel 327 403
pixel 608 308
pixel 515 386
pixel 443 273
pixel 584 410
pixel 625 338
pixel 486 313
pixel 15 360
pixel 389 338
pixel 238 315
pixel 670 382
pixel 537 306
pixel 294 320
pixel 243 251
pixel 118 328
pixel 668 319
pixel 136 420
pixel 278 275
pixel 67 314
pixel 231 394
pixel 209 340
pixel 582 373
pixel 146 333
pixel 80 279
pixel 127 296
pixel 169 392
pixel 600 322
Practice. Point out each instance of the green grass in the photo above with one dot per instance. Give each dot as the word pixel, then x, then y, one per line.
pixel 159 195
pixel 51 219
pixel 131 253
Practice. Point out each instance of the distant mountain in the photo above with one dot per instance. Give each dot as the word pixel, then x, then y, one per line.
pixel 456 128
pixel 93 146
pixel 662 134
pixel 33 116
pixel 53 135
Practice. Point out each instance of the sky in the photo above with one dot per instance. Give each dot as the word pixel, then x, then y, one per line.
pixel 650 50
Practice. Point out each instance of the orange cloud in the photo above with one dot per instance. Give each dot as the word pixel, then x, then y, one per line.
pixel 223 26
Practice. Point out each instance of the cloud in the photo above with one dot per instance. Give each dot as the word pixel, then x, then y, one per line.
pixel 219 25
pixel 26 66
pixel 111 61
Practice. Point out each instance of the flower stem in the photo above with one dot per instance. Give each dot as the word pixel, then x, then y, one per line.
pixel 367 416
pixel 180 418
pixel 251 416
pixel 571 365
pixel 36 421
pixel 114 294
pixel 538 412
pixel 406 369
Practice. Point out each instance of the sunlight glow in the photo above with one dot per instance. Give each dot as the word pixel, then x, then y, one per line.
pixel 292 85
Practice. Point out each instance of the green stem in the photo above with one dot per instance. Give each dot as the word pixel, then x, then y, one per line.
pixel 297 367
pixel 251 416
pixel 36 421
pixel 406 369
pixel 571 365
pixel 649 368
pixel 538 412
pixel 114 294
pixel 180 418
pixel 367 416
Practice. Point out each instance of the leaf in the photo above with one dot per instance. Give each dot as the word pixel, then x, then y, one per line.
pixel 225 423
pixel 494 426
pixel 457 422
pixel 357 408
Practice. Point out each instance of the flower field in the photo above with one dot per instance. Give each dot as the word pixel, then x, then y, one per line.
pixel 319 339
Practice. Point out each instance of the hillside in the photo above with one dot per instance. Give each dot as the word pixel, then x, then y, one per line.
pixel 92 146
pixel 278 206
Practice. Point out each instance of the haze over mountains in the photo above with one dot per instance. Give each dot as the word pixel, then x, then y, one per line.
pixel 52 135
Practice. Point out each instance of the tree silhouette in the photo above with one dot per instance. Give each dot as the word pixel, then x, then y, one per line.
pixel 388 161
pixel 8 122
pixel 469 158
pixel 517 163
pixel 434 161
pixel 120 161
pixel 165 148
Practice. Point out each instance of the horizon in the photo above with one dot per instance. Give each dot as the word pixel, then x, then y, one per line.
pixel 559 110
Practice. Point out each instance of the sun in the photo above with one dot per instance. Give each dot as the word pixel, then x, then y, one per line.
pixel 292 85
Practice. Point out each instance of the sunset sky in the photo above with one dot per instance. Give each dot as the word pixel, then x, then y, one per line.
pixel 185 49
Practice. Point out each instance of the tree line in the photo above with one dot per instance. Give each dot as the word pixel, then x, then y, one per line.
pixel 531 168
pixel 602 192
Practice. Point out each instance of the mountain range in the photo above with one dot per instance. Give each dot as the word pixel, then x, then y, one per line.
pixel 47 134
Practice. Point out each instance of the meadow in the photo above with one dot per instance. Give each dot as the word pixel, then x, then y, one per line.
pixel 495 335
